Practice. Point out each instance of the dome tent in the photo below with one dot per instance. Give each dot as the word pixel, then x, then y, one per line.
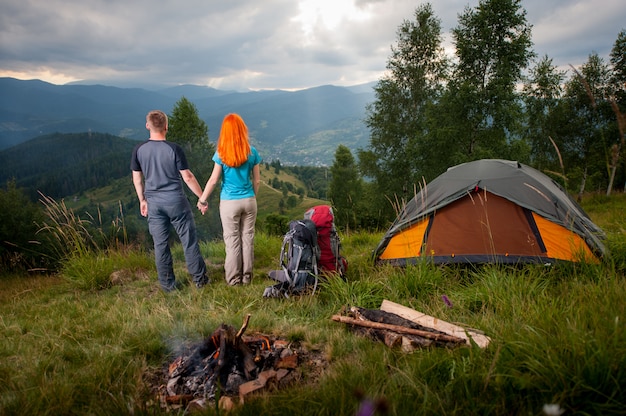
pixel 491 211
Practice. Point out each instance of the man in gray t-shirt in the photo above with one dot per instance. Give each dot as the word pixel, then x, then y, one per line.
pixel 159 169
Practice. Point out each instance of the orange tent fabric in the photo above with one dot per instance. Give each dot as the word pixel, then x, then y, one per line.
pixel 491 211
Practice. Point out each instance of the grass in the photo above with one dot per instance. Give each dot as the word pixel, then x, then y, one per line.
pixel 95 338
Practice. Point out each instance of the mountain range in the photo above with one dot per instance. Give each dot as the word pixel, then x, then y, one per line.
pixel 300 128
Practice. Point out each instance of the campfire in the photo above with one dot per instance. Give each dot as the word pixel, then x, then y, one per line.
pixel 227 366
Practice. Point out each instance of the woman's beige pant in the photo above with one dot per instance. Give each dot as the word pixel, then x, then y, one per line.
pixel 238 220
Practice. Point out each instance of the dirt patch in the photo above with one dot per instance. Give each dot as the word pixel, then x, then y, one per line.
pixel 125 276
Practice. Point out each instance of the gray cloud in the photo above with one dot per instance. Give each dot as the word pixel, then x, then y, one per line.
pixel 241 44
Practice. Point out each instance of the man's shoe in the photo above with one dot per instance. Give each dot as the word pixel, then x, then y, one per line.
pixel 178 285
pixel 202 283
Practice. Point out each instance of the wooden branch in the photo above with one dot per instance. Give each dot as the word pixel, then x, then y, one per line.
pixel 398 329
pixel 248 359
pixel 222 336
pixel 243 327
pixel 431 322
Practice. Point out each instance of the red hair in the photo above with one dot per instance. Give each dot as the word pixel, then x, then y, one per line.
pixel 233 146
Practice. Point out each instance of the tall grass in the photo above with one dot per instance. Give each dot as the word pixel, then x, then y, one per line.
pixel 557 335
pixel 71 235
pixel 88 251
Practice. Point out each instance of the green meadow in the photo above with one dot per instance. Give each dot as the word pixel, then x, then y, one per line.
pixel 96 337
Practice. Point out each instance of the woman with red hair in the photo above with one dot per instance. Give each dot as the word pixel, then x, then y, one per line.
pixel 237 165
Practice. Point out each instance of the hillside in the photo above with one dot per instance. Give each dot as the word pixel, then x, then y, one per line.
pixel 64 164
pixel 116 201
pixel 90 173
pixel 283 124
pixel 121 191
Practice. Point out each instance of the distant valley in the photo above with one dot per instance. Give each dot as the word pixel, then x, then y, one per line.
pixel 300 128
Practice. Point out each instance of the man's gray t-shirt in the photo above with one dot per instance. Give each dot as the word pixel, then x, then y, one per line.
pixel 160 162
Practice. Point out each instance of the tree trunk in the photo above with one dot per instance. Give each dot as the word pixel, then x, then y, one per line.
pixel 611 179
pixel 583 182
pixel 621 124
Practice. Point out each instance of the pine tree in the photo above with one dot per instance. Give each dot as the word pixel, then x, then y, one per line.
pixel 345 188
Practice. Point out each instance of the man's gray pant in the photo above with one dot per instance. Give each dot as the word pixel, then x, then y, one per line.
pixel 180 216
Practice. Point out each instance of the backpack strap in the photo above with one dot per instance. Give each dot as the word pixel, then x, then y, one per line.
pixel 316 274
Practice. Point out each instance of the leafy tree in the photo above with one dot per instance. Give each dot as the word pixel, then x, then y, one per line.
pixel 416 70
pixel 314 178
pixel 276 224
pixel 618 62
pixel 345 188
pixel 20 246
pixel 542 92
pixel 588 115
pixel 480 114
pixel 292 201
pixel 276 165
pixel 618 102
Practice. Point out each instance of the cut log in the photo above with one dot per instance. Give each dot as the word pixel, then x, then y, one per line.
pixel 426 320
pixel 398 329
pixel 392 339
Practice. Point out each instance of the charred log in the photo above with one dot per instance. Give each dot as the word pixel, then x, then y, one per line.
pixel 228 363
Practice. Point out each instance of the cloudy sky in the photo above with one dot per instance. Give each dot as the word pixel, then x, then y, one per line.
pixel 257 44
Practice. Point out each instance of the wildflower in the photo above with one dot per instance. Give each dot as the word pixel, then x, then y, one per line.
pixel 552 410
pixel 368 407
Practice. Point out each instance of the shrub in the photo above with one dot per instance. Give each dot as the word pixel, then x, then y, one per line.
pixel 20 246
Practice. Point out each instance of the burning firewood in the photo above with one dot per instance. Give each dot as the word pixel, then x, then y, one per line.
pixel 229 344
pixel 227 363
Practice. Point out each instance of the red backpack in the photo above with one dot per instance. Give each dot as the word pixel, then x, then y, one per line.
pixel 330 258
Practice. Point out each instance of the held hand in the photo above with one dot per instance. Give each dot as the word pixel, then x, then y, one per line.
pixel 202 207
pixel 143 208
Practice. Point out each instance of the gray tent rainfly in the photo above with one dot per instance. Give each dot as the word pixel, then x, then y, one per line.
pixel 491 211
